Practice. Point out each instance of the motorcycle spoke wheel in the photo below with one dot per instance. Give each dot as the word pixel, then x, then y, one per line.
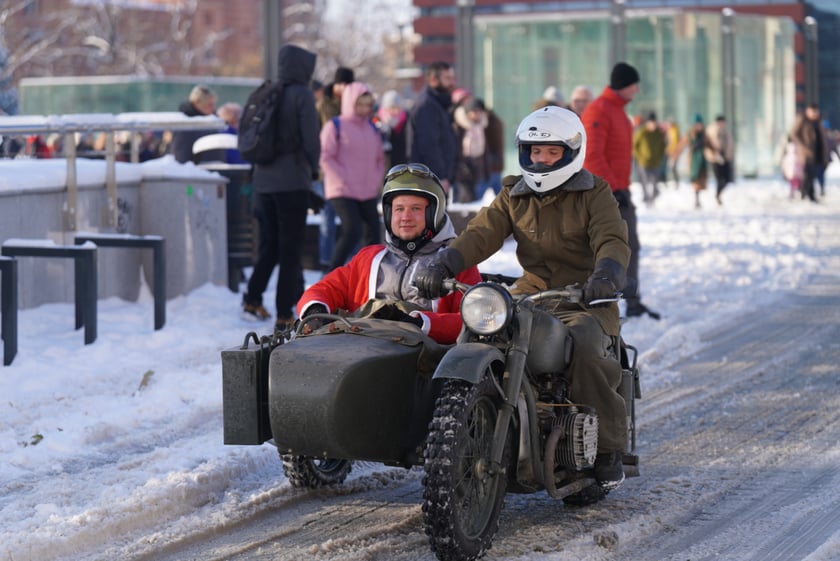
pixel 312 473
pixel 464 493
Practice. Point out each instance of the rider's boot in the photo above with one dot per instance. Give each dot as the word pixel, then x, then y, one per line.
pixel 609 470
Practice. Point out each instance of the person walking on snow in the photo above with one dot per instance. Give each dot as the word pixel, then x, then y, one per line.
pixel 610 156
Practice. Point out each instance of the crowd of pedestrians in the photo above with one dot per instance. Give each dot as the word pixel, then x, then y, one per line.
pixel 344 136
pixel 808 151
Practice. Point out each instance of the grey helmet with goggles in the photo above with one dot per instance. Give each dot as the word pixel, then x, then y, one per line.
pixel 551 126
pixel 419 180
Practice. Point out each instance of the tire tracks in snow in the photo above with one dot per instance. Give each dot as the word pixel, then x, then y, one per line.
pixel 750 446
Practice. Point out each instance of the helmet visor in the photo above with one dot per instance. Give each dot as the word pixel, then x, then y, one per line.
pixel 569 155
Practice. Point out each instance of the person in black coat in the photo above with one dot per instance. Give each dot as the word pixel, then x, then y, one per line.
pixel 282 190
pixel 431 139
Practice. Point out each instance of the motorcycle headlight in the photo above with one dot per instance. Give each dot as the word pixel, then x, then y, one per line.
pixel 486 309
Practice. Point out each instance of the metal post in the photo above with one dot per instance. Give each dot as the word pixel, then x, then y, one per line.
pixel 812 82
pixel 272 31
pixel 728 69
pixel 159 256
pixel 69 147
pixel 464 48
pixel 8 308
pixel 618 33
pixel 111 215
pixel 90 292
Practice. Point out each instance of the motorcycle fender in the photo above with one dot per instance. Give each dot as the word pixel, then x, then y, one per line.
pixel 468 362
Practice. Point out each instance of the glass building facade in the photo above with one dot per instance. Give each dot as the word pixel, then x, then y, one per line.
pixel 122 94
pixel 679 55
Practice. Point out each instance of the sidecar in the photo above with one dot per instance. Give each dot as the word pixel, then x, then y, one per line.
pixel 357 389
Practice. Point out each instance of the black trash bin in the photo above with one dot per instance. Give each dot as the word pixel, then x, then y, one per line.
pixel 242 228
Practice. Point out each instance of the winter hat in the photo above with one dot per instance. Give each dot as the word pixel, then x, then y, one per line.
pixel 474 104
pixel 651 116
pixel 698 118
pixel 553 95
pixel 344 75
pixel 460 95
pixel 390 99
pixel 623 75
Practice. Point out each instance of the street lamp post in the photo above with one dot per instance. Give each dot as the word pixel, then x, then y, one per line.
pixel 272 32
pixel 618 33
pixel 464 48
pixel 812 83
pixel 728 67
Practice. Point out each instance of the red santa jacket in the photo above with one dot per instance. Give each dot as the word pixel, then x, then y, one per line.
pixel 349 287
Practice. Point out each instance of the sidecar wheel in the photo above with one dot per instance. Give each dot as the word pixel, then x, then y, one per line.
pixel 312 473
pixel 464 494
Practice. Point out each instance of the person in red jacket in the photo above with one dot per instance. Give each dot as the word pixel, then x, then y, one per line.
pixel 609 155
pixel 416 228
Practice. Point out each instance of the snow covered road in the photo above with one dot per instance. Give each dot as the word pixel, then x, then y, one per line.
pixel 739 461
pixel 114 450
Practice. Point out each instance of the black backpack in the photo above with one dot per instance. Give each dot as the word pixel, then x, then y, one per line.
pixel 259 139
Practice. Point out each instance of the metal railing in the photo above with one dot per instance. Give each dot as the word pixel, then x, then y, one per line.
pixel 69 125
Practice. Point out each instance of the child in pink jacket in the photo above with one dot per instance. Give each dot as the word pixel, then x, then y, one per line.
pixel 353 162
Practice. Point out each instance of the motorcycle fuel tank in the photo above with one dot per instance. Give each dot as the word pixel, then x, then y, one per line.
pixel 549 349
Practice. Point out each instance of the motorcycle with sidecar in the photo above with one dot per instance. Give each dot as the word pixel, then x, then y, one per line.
pixel 486 416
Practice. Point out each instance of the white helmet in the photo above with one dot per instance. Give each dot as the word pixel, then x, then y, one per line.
pixel 551 125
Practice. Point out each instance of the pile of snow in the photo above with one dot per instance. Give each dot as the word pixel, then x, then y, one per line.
pixel 117 446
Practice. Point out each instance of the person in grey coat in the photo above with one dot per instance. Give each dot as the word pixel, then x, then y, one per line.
pixel 282 190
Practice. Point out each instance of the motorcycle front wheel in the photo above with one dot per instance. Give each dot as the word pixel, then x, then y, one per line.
pixel 464 493
pixel 312 473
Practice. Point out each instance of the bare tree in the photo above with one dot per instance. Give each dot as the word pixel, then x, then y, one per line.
pixel 357 36
pixel 114 37
pixel 106 37
pixel 22 47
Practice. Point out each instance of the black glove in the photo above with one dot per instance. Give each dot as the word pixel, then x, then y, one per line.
pixel 429 280
pixel 393 313
pixel 597 288
pixel 313 324
pixel 607 279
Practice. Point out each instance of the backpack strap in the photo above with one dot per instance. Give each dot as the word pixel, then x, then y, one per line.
pixel 337 124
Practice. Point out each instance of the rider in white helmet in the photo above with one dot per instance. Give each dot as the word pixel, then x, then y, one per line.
pixel 568 230
pixel 540 138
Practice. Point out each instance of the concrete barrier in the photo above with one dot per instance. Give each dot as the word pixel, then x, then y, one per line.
pixel 180 202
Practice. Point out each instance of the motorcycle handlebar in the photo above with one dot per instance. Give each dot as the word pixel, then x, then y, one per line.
pixel 571 293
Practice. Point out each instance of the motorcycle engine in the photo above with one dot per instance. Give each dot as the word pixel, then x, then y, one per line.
pixel 577 450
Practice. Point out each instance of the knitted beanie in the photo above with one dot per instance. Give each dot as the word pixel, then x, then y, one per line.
pixel 344 75
pixel 623 75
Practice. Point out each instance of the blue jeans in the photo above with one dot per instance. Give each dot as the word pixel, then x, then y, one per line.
pixel 360 226
pixel 494 181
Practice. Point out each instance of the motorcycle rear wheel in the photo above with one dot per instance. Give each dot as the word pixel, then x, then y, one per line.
pixel 313 473
pixel 464 494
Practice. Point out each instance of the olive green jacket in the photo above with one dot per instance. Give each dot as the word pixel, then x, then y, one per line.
pixel 559 235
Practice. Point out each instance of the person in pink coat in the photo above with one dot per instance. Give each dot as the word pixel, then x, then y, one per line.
pixel 416 229
pixel 353 162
